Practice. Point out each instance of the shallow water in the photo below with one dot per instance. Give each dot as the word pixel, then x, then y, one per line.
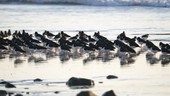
pixel 138 79
pixel 90 18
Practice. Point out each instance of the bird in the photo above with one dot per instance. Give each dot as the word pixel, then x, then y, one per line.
pixel 74 37
pixel 3 41
pixel 88 48
pixel 39 36
pixel 62 40
pixel 50 43
pixel 145 36
pixel 82 34
pixel 141 41
pixel 125 48
pixel 98 36
pixel 165 48
pixel 93 46
pixel 2 47
pixel 65 47
pixel 64 34
pixel 90 39
pixel 121 35
pixel 18 49
pixel 9 32
pixel 152 47
pixel 18 41
pixel 33 46
pixel 77 43
pixel 130 41
pixel 133 44
pixel 48 34
pixel 83 39
pixel 57 36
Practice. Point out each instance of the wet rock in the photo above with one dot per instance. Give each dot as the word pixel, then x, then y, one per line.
pixel 3 93
pixel 26 88
pixel 56 92
pixel 100 82
pixel 109 93
pixel 18 95
pixel 37 80
pixel 86 93
pixel 27 92
pixel 111 77
pixel 73 81
pixel 9 85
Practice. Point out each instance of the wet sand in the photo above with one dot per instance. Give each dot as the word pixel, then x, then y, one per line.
pixel 140 78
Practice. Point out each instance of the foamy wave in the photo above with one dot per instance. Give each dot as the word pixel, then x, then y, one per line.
pixel 160 3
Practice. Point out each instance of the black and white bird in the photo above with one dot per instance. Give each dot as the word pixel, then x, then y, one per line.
pixel 48 34
pixel 2 47
pixel 65 47
pixel 74 37
pixel 123 47
pixel 63 34
pixel 152 47
pixel 38 36
pixel 57 36
pixel 165 48
pixel 50 43
pixel 145 36
pixel 141 41
pixel 90 39
pixel 98 36
pixel 19 49
pixel 121 35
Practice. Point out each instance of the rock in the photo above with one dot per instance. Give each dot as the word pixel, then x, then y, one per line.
pixel 9 85
pixel 73 81
pixel 37 80
pixel 27 92
pixel 3 93
pixel 111 77
pixel 109 93
pixel 86 93
pixel 56 92
pixel 18 95
pixel 26 88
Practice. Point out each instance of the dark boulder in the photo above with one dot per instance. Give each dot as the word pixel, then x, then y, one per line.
pixel 111 77
pixel 86 93
pixel 73 81
pixel 18 95
pixel 3 93
pixel 56 92
pixel 9 85
pixel 37 80
pixel 109 93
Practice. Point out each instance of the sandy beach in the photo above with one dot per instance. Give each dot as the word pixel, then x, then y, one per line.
pixel 46 73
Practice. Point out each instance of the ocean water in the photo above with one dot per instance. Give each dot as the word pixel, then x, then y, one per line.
pixel 138 79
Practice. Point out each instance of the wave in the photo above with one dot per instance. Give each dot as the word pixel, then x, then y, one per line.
pixel 156 3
